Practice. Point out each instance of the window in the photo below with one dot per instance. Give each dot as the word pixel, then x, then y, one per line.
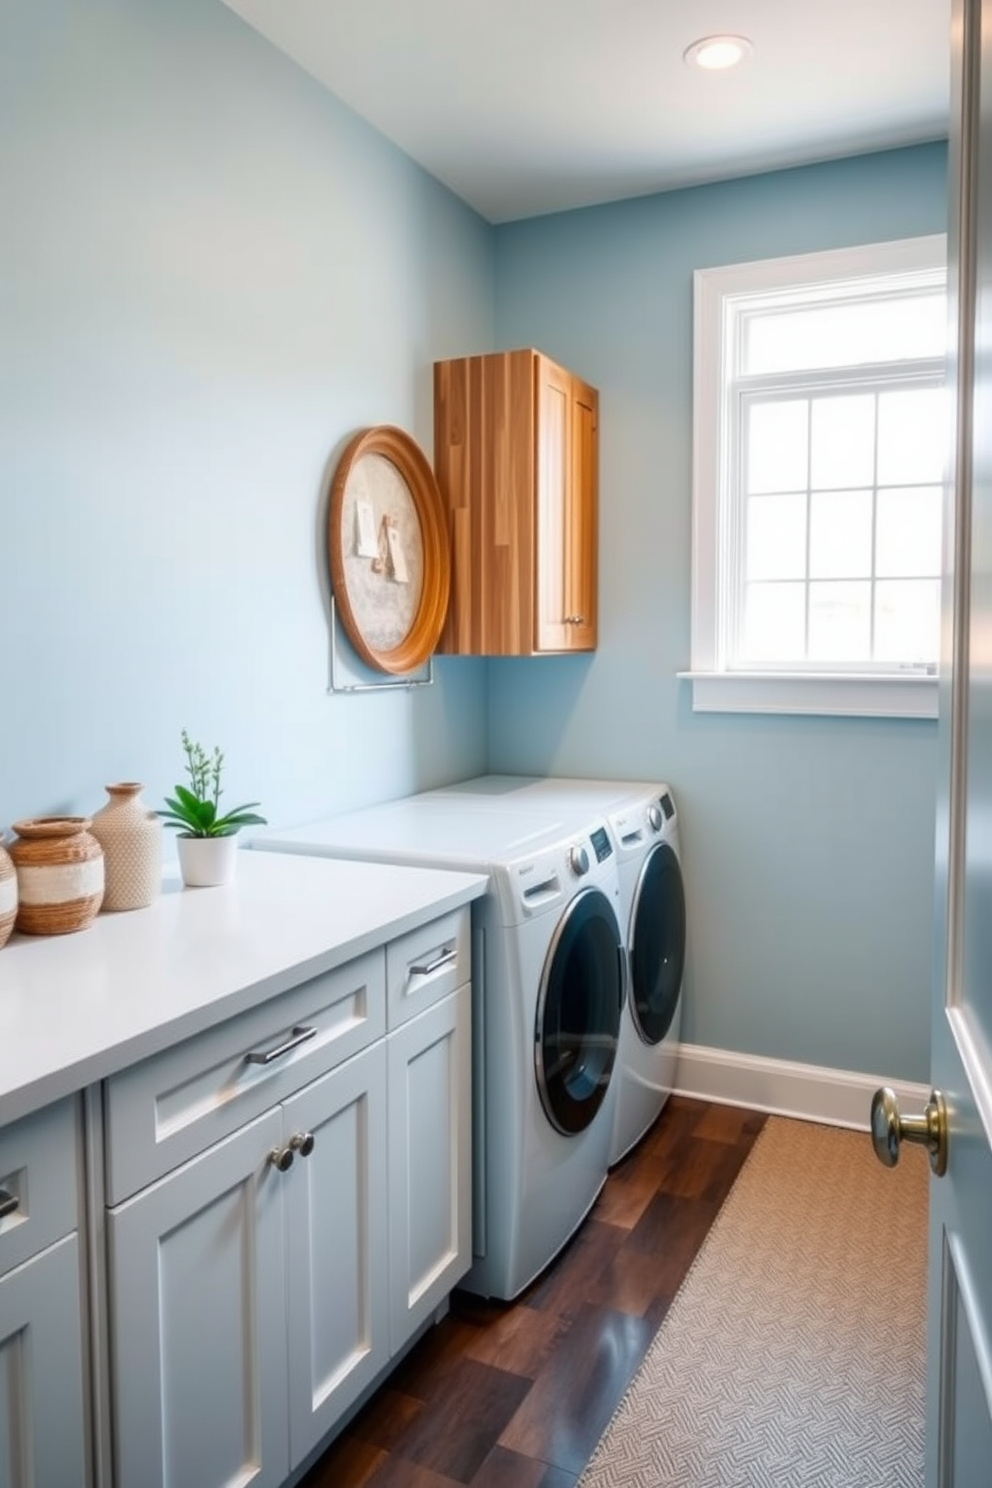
pixel 820 441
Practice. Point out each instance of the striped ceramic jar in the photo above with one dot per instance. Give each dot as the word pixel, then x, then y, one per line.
pixel 59 874
pixel 8 894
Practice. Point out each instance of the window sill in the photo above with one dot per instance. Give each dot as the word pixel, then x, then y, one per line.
pixel 832 694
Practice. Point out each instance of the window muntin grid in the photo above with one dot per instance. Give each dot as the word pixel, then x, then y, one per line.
pixel 835 558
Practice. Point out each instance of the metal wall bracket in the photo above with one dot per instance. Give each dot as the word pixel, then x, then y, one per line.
pixel 388 684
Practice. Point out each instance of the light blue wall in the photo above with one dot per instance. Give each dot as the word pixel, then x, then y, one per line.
pixel 808 843
pixel 211 275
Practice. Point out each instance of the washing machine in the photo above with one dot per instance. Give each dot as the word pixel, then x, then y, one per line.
pixel 643 822
pixel 549 971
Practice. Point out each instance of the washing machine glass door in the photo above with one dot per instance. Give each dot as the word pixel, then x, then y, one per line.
pixel 657 943
pixel 578 1012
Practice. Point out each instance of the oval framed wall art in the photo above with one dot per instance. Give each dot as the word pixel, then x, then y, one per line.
pixel 389 550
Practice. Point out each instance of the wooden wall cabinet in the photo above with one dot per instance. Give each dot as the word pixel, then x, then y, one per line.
pixel 516 454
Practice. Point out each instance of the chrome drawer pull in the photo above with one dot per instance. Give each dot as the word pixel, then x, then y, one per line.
pixel 448 954
pixel 266 1056
pixel 9 1203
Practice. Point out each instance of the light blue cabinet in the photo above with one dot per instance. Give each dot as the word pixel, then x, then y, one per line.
pixel 258 1288
pixel 43 1442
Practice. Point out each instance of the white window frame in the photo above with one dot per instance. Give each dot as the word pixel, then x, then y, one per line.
pixel 715 686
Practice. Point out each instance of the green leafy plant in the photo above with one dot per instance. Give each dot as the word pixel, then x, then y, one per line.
pixel 194 810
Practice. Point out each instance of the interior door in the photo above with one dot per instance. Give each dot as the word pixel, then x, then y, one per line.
pixel 959 1423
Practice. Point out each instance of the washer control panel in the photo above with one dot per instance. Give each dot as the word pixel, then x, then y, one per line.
pixel 601 844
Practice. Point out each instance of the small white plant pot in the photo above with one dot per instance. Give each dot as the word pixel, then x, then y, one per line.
pixel 207 861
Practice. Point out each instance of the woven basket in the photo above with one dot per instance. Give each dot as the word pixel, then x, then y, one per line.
pixel 8 894
pixel 59 874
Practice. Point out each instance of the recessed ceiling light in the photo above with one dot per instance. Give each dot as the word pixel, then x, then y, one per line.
pixel 716 53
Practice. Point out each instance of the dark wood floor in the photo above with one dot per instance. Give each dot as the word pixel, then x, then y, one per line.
pixel 516 1395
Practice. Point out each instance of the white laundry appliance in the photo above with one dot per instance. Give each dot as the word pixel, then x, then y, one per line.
pixel 548 993
pixel 643 822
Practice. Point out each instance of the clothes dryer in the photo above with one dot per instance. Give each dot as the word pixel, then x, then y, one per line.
pixel 548 993
pixel 643 822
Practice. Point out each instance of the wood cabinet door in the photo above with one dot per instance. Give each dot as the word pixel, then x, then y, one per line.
pixel 198 1321
pixel 430 1160
pixel 582 518
pixel 553 615
pixel 336 1256
pixel 42 1442
pixel 566 482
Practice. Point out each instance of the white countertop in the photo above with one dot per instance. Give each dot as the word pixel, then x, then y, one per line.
pixel 75 1008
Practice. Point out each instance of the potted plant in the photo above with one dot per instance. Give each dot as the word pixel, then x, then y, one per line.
pixel 206 841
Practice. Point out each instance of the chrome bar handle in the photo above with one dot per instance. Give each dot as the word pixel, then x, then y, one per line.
pixel 266 1056
pixel 447 955
pixel 9 1203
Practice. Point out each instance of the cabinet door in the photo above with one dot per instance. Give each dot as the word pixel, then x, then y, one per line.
pixel 336 1244
pixel 430 1160
pixel 553 621
pixel 567 479
pixel 198 1334
pixel 582 531
pixel 41 1379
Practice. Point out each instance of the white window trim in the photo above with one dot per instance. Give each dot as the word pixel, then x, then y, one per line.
pixel 715 688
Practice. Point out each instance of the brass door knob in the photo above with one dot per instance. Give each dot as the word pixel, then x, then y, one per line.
pixel 889 1129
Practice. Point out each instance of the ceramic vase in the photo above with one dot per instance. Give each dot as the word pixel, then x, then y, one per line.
pixel 59 867
pixel 8 894
pixel 131 838
pixel 207 861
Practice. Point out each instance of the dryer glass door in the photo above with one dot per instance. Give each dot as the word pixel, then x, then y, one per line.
pixel 657 943
pixel 578 1012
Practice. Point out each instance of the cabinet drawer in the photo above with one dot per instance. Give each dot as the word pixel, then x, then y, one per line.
pixel 170 1107
pixel 38 1158
pixel 427 964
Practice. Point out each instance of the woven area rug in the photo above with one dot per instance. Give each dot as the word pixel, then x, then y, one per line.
pixel 794 1352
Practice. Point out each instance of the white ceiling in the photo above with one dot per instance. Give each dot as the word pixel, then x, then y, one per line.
pixel 530 106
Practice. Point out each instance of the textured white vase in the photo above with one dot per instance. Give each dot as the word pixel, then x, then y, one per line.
pixel 207 861
pixel 131 838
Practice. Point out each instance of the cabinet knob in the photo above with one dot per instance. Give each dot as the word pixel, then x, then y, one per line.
pixel 282 1158
pixel 303 1143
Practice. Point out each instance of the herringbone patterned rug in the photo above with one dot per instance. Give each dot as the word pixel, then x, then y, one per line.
pixel 794 1353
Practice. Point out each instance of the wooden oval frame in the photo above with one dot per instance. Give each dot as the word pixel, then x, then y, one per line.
pixel 402 451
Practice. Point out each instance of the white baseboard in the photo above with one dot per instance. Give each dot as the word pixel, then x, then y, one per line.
pixel 810 1092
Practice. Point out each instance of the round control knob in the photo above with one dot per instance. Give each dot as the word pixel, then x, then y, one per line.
pixel 578 861
pixel 655 818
